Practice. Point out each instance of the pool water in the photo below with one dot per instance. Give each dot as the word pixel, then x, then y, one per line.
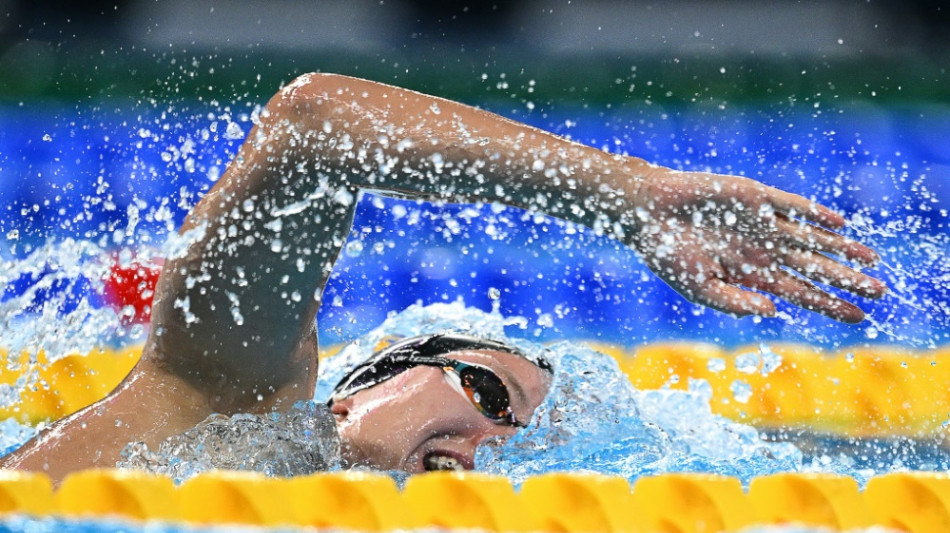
pixel 86 185
pixel 87 189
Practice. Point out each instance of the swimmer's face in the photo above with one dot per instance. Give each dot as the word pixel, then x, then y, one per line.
pixel 417 419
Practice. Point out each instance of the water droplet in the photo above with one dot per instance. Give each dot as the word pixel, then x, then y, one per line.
pixel 716 365
pixel 343 197
pixel 493 293
pixel 771 361
pixel 747 363
pixel 233 132
pixel 354 248
pixel 741 391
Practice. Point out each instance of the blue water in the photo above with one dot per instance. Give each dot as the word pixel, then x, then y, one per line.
pixel 123 180
pixel 80 186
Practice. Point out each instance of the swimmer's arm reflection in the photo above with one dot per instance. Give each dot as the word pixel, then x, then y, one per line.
pixel 233 319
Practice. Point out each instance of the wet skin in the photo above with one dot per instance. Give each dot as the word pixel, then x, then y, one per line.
pixel 396 424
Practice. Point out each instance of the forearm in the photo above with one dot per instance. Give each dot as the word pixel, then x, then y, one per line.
pixel 396 140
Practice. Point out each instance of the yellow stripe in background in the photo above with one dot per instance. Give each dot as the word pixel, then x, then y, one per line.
pixel 877 391
pixel 864 392
pixel 685 503
pixel 66 385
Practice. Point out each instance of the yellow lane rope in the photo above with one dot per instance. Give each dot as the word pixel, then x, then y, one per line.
pixel 685 503
pixel 869 391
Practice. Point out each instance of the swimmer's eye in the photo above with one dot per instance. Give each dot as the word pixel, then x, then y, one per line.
pixel 484 389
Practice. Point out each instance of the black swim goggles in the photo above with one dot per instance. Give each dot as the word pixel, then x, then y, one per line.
pixel 483 388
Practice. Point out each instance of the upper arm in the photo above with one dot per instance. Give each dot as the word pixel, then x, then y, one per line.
pixel 234 311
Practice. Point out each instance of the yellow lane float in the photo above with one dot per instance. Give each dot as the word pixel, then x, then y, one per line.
pixel 581 503
pixel 860 391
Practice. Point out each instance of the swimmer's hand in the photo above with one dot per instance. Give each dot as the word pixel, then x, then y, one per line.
pixel 709 235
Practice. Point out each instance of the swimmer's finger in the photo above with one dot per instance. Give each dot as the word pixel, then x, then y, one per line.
pixel 825 270
pixel 800 207
pixel 728 298
pixel 732 190
pixel 814 238
pixel 806 295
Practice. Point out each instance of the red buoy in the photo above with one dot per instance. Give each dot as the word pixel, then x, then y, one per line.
pixel 132 285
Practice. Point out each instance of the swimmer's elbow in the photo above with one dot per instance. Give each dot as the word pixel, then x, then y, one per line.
pixel 306 90
pixel 314 104
pixel 302 107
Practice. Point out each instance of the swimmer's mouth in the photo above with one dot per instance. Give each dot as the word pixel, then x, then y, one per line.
pixel 438 460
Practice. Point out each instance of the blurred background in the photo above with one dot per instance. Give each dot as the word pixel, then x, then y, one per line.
pixel 115 117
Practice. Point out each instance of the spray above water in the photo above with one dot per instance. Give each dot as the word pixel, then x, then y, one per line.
pixel 298 442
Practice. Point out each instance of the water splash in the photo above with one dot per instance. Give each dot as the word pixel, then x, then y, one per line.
pixel 13 435
pixel 593 419
pixel 299 442
pixel 51 306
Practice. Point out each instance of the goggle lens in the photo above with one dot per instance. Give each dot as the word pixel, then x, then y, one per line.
pixel 486 391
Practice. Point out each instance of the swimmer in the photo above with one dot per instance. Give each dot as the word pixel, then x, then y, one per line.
pixel 233 321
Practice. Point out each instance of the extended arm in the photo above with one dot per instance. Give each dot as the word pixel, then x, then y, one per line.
pixel 275 223
pixel 243 297
pixel 233 317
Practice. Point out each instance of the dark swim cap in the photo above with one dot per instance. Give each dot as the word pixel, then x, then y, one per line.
pixel 424 346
